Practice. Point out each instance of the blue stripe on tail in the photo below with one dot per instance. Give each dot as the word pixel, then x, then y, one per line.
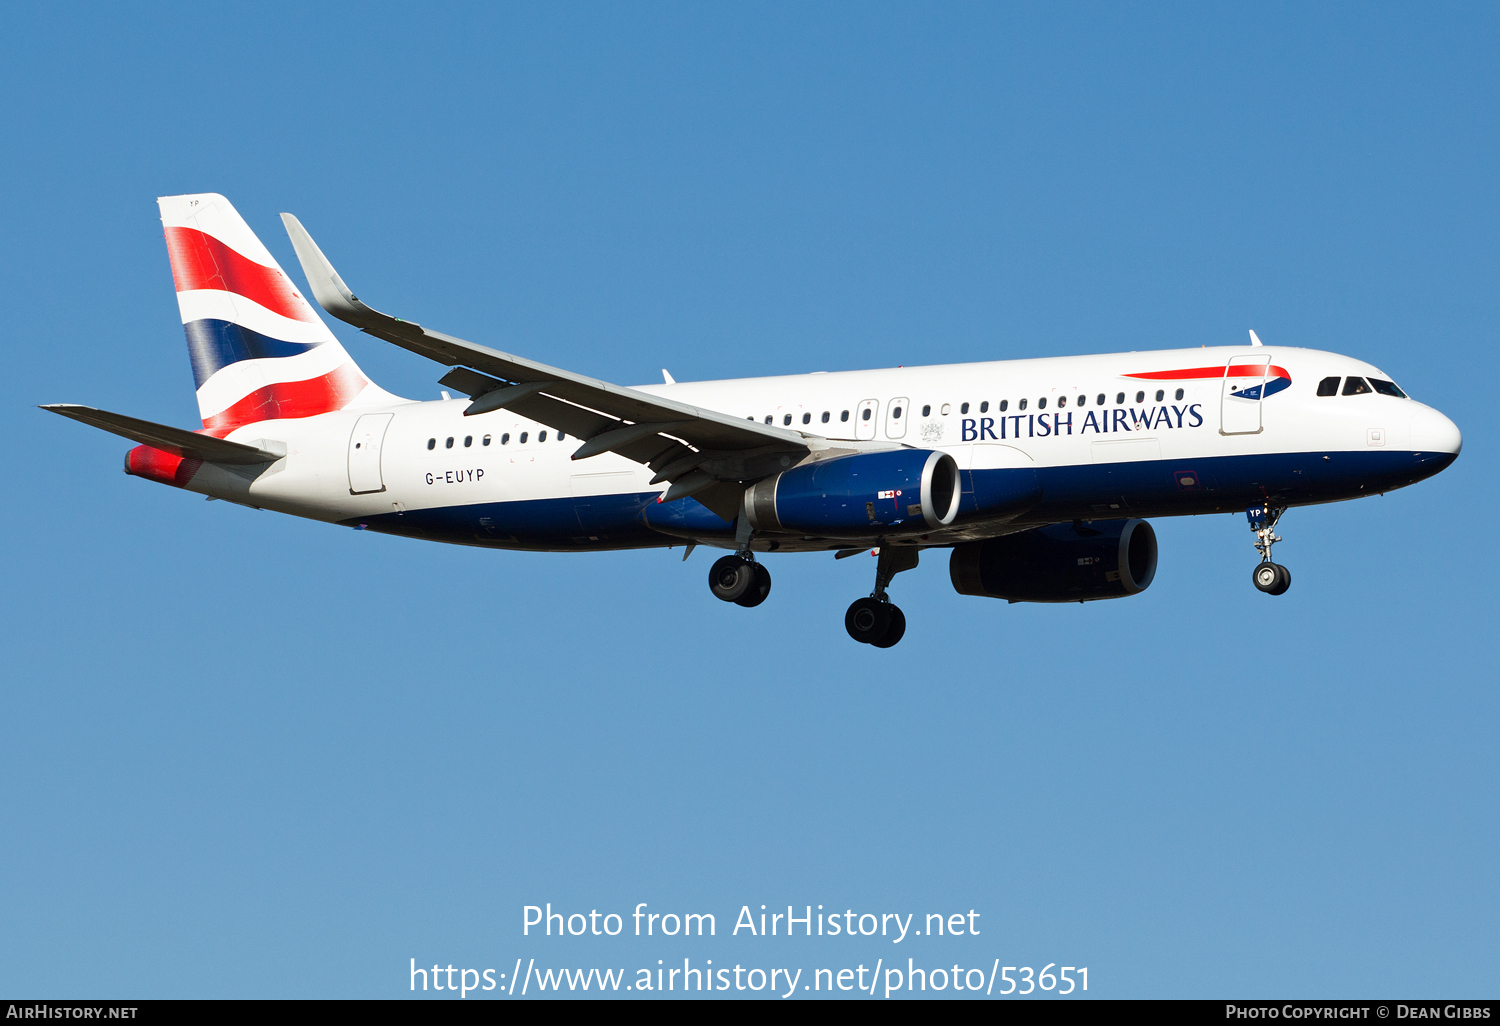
pixel 214 344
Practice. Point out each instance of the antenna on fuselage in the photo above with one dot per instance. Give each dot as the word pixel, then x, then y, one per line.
pixel 1254 338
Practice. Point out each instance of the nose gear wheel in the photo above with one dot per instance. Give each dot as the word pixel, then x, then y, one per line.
pixel 1271 578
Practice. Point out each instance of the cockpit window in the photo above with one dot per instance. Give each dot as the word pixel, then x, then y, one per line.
pixel 1329 386
pixel 1385 387
pixel 1355 386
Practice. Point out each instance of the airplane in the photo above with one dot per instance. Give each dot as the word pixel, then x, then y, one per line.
pixel 1038 475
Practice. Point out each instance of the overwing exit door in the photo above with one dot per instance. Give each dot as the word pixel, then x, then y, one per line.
pixel 864 418
pixel 1244 387
pixel 364 453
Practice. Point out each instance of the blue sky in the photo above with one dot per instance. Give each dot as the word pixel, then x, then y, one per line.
pixel 246 755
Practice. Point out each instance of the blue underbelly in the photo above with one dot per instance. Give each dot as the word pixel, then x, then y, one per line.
pixel 1044 495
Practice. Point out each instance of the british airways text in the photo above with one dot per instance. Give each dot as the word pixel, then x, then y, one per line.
pixel 1041 425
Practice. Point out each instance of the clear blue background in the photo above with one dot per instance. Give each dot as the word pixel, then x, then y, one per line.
pixel 242 754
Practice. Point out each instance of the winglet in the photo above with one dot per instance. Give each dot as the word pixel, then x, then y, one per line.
pixel 327 287
pixel 1254 338
pixel 666 378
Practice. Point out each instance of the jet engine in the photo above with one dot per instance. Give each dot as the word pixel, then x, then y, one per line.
pixel 867 493
pixel 1078 562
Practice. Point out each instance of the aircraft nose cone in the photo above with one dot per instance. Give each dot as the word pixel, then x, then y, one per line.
pixel 1433 432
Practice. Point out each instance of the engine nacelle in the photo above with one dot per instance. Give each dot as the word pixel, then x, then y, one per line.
pixel 867 493
pixel 1099 559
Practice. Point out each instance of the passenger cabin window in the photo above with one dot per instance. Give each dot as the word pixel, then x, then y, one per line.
pixel 1385 387
pixel 1329 386
pixel 432 443
pixel 448 444
pixel 505 438
pixel 522 439
pixel 1140 397
pixel 561 436
pixel 1004 405
pixel 984 407
pixel 1099 399
pixel 807 418
pixel 1160 395
pixel 541 436
pixel 1083 400
pixel 844 417
pixel 1355 386
pixel 927 411
pixel 866 414
pixel 486 440
pixel 896 413
pixel 1062 401
pixel 1021 405
pixel 786 420
pixel 964 408
pixel 468 441
pixel 825 416
pixel 1041 403
pixel 768 418
pixel 1119 398
pixel 1179 393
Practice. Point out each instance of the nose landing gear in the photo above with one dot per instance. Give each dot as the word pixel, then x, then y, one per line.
pixel 1271 578
pixel 877 620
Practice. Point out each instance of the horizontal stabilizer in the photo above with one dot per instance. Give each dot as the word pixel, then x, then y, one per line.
pixel 177 441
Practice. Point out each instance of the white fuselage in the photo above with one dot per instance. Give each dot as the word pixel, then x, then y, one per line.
pixel 1069 419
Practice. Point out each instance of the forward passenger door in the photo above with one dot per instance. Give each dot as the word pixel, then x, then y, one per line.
pixel 1240 400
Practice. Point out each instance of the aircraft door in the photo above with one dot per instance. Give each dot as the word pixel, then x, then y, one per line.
pixel 364 453
pixel 896 416
pixel 1240 401
pixel 864 418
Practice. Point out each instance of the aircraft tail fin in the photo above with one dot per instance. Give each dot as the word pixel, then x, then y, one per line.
pixel 259 351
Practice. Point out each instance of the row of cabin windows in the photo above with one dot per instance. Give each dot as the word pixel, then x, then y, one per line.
pixel 984 407
pixel 541 436
pixel 1359 386
pixel 807 417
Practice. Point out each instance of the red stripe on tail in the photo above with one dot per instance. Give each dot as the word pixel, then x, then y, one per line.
pixel 200 261
pixel 290 399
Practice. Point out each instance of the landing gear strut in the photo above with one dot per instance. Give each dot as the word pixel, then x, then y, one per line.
pixel 1271 578
pixel 739 578
pixel 877 620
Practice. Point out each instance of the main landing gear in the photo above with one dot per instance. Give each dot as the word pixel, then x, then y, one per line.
pixel 739 578
pixel 877 620
pixel 1271 578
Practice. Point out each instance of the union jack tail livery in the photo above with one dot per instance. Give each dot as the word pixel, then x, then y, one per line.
pixel 258 350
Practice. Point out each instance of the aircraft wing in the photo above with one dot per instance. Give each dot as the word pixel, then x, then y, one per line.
pixel 702 452
pixel 177 441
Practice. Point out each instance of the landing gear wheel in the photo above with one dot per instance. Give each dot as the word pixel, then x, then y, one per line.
pixel 868 620
pixel 759 588
pixel 1272 578
pixel 731 577
pixel 896 629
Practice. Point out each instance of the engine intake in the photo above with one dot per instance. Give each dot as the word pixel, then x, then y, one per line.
pixel 855 496
pixel 1082 562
